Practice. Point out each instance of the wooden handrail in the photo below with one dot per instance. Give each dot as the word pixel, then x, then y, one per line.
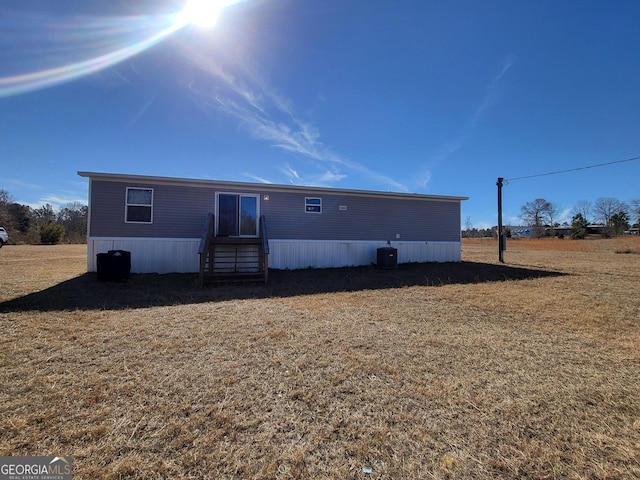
pixel 207 234
pixel 263 234
pixel 265 247
pixel 205 241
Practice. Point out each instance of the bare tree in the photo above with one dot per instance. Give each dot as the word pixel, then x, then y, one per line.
pixel 535 214
pixel 552 215
pixel 605 207
pixel 468 227
pixel 583 207
pixel 5 197
pixel 5 201
pixel 634 210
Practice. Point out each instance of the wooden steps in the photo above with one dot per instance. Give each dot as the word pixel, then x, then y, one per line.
pixel 233 259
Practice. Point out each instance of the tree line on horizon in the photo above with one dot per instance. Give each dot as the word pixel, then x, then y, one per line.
pixel 45 225
pixel 612 216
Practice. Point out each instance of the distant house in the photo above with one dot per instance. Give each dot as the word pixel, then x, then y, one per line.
pixel 167 222
pixel 520 232
pixel 561 230
pixel 596 229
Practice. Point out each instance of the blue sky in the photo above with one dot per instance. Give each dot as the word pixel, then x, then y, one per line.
pixel 435 97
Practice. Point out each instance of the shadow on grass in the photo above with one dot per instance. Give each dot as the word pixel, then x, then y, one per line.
pixel 140 291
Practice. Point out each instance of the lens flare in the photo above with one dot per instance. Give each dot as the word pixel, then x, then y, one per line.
pixel 38 51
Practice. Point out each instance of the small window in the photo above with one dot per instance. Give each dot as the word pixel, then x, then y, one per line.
pixel 313 205
pixel 139 205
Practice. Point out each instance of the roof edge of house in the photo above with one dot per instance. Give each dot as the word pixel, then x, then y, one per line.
pixel 267 187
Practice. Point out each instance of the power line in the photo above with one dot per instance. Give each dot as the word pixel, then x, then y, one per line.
pixel 574 169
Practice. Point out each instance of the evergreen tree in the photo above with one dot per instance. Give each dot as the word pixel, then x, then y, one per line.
pixel 51 233
pixel 578 226
pixel 619 223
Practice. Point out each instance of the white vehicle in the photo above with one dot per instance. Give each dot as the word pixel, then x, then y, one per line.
pixel 4 237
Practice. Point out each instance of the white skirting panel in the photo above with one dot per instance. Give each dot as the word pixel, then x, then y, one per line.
pixel 297 254
pixel 180 255
pixel 150 255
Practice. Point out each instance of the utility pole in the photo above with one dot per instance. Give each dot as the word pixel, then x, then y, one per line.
pixel 500 239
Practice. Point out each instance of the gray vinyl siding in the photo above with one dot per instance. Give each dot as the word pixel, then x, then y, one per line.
pixel 366 218
pixel 180 210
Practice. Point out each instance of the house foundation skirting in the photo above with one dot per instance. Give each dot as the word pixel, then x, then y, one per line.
pixel 180 255
pixel 298 254
pixel 149 255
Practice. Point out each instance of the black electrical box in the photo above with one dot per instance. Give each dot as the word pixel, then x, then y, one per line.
pixel 388 257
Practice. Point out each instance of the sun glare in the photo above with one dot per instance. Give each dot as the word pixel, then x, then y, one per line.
pixel 202 13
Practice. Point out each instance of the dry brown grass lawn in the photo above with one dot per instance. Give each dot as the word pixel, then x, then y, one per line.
pixel 474 370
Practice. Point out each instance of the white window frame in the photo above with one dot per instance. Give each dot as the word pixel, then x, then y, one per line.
pixel 127 205
pixel 308 205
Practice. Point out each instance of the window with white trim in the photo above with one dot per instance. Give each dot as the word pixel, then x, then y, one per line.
pixel 313 205
pixel 139 205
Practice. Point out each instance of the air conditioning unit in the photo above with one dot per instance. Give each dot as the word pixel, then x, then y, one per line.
pixel 388 257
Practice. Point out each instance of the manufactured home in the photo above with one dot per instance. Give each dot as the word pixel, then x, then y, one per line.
pixel 191 225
